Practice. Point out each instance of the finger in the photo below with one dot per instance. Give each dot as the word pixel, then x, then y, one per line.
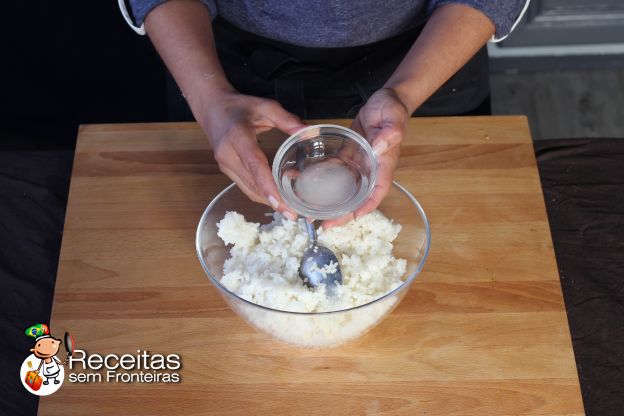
pixel 387 138
pixel 368 132
pixel 356 125
pixel 291 174
pixel 228 160
pixel 383 183
pixel 327 224
pixel 244 185
pixel 255 162
pixel 282 119
pixel 379 193
pixel 367 128
pixel 231 165
pixel 387 164
pixel 349 150
pixel 245 182
pixel 256 165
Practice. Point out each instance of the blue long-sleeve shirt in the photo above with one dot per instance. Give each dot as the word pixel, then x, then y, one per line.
pixel 338 23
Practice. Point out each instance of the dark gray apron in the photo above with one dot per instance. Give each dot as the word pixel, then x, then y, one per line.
pixel 335 82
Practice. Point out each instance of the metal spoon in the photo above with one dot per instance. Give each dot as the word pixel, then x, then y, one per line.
pixel 315 259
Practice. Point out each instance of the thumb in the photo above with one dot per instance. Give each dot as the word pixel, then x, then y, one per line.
pixel 387 138
pixel 283 120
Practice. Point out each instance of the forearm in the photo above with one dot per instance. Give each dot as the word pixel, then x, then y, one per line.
pixel 181 32
pixel 453 34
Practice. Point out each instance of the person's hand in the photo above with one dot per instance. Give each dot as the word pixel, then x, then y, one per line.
pixel 382 121
pixel 231 121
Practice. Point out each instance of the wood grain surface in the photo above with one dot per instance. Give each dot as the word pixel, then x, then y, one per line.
pixel 483 330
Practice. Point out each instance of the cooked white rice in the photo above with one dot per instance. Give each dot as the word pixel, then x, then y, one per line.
pixel 264 262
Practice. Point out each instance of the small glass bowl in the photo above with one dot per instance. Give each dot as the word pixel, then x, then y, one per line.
pixel 325 171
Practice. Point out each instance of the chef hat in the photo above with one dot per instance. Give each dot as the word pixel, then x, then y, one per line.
pixel 38 331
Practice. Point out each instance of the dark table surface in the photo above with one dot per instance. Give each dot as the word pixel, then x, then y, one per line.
pixel 583 183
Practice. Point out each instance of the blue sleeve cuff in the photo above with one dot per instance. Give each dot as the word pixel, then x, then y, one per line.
pixel 141 8
pixel 503 14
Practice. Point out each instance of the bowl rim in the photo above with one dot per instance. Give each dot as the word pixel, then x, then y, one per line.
pixel 406 283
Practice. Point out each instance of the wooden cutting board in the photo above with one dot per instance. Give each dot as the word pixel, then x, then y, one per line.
pixel 483 330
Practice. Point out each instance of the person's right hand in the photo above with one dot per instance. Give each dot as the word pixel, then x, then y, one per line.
pixel 231 121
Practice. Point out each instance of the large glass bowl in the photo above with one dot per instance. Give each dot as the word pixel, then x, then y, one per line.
pixel 322 329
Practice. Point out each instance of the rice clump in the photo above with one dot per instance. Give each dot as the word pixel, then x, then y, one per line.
pixel 263 267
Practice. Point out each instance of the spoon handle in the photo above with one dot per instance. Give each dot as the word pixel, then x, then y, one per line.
pixel 311 232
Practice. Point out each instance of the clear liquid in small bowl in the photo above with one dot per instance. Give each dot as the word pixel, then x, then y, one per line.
pixel 326 183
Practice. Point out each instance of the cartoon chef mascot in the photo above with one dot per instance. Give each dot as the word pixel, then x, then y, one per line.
pixel 46 347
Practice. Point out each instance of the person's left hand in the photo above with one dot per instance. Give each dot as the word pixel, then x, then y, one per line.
pixel 382 121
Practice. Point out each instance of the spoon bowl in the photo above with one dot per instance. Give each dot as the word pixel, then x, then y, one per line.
pixel 319 265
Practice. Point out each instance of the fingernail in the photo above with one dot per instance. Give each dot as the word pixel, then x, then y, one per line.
pixel 274 202
pixel 380 147
pixel 290 216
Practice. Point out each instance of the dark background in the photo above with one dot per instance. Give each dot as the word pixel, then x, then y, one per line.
pixel 74 62
pixel 63 63
pixel 66 63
